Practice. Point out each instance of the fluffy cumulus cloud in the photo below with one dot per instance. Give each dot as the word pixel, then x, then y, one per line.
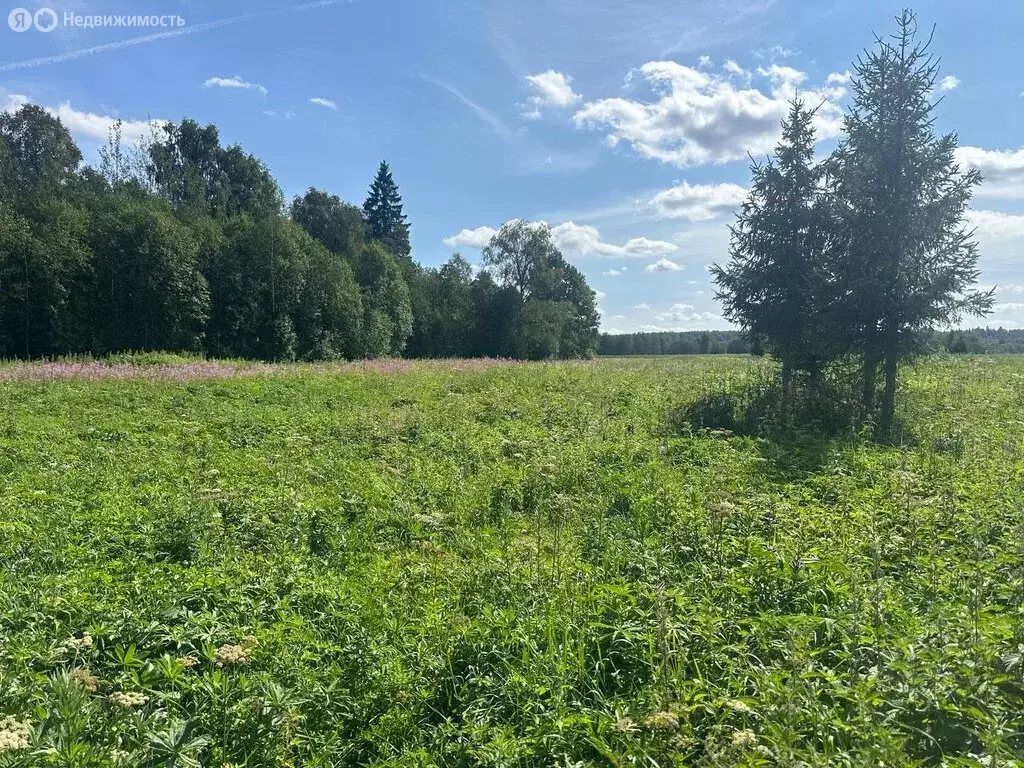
pixel 949 82
pixel 996 225
pixel 695 117
pixel 613 272
pixel 84 125
pixel 686 317
pixel 1002 170
pixel 320 101
pixel 549 89
pixel 471 238
pixel 585 240
pixel 234 82
pixel 1006 314
pixel 663 265
pixel 698 202
pixel 575 239
pixel 93 126
pixel 12 102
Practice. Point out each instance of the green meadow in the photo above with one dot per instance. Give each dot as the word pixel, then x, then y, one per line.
pixel 494 564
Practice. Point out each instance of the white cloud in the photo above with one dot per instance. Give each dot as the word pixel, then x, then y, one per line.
pixel 686 316
pixel 995 225
pixel 12 102
pixel 642 307
pixel 96 126
pixel 585 240
pixel 234 82
pixel 782 76
pixel 572 238
pixel 700 117
pixel 775 52
pixel 550 89
pixel 663 265
pixel 839 78
pixel 601 295
pixel 732 68
pixel 1012 288
pixel 698 202
pixel 320 101
pixel 471 238
pixel 643 246
pixel 704 61
pixel 613 272
pixel 1002 171
pixel 949 82
pixel 83 124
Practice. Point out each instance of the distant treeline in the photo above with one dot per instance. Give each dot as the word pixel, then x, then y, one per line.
pixel 183 244
pixel 977 341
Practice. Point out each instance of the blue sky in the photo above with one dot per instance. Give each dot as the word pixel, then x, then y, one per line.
pixel 624 125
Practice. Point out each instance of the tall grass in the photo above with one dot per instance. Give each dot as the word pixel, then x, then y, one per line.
pixel 506 566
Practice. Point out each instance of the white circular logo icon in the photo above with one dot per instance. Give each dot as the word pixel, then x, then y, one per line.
pixel 20 20
pixel 45 19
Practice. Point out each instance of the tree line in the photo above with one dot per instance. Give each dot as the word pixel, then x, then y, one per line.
pixel 975 341
pixel 854 257
pixel 678 343
pixel 180 243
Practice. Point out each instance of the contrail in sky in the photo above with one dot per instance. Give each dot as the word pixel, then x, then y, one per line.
pixel 141 40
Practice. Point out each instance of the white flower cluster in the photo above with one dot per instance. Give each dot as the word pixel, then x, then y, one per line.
pixel 14 734
pixel 128 699
pixel 76 644
pixel 231 654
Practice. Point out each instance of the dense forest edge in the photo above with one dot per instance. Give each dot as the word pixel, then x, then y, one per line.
pixel 178 243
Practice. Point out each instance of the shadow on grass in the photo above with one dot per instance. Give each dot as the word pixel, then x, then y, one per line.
pixel 799 431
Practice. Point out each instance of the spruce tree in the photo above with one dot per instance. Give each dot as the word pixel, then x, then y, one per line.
pixel 771 284
pixel 905 259
pixel 382 211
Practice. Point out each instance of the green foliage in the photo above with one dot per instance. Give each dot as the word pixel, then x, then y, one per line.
pixel 39 159
pixel 410 564
pixel 145 289
pixel 904 258
pixel 773 283
pixel 387 314
pixel 382 212
pixel 556 315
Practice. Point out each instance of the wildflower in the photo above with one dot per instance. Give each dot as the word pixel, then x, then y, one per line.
pixel 721 508
pixel 250 641
pixel 736 705
pixel 14 735
pixel 231 654
pixel 120 756
pixel 82 643
pixel 188 662
pixel 625 725
pixel 86 679
pixel 661 721
pixel 128 699
pixel 744 739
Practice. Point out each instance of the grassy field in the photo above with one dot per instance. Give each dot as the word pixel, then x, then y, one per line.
pixel 484 564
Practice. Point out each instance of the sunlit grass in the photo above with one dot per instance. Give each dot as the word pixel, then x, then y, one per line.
pixel 467 564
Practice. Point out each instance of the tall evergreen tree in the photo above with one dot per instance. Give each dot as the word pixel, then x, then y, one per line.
pixel 771 285
pixel 905 258
pixel 382 210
